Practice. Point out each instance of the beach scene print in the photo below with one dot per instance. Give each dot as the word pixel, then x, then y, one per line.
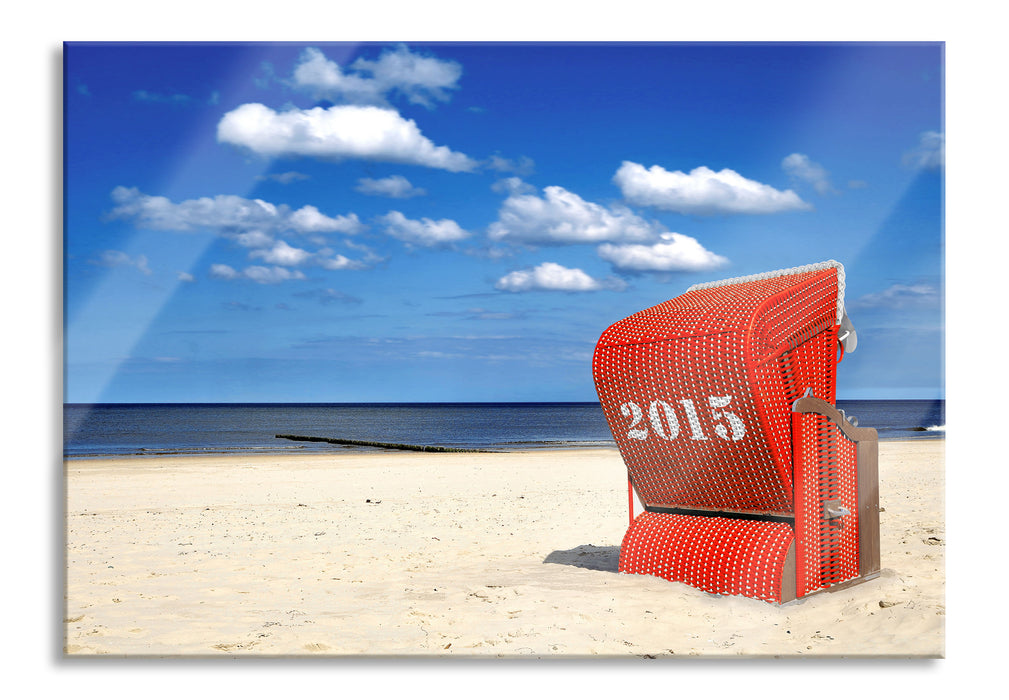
pixel 329 319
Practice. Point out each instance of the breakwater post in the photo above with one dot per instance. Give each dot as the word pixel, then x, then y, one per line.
pixel 384 445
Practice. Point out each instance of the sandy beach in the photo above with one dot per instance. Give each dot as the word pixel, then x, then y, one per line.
pixel 413 554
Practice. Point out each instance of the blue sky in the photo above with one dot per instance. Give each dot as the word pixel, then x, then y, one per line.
pixel 460 222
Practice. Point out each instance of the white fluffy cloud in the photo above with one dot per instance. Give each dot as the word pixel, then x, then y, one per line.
pixel 702 191
pixel 800 167
pixel 395 186
pixel 227 213
pixel 561 217
pixel 337 133
pixel 224 272
pixel 674 253
pixel 253 239
pixel 308 219
pixel 929 154
pixel 423 232
pixel 420 79
pixel 282 254
pixel 552 277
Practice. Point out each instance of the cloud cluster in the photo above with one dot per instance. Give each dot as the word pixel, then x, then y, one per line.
pixel 253 224
pixel 361 123
pixel 631 244
pixel 357 121
pixel 702 191
pixel 225 213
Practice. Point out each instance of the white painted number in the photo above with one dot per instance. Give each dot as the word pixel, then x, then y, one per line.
pixel 735 422
pixel 631 410
pixel 695 424
pixel 667 426
pixel 667 411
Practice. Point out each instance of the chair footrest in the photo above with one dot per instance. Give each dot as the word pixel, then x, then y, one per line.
pixel 727 556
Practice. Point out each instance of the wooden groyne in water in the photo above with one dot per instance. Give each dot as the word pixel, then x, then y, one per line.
pixel 383 445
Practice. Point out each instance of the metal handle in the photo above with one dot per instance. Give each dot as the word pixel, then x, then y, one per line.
pixel 833 510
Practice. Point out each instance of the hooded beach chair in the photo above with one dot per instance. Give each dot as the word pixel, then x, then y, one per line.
pixel 743 478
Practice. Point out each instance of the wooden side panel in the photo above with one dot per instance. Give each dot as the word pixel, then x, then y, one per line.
pixel 868 506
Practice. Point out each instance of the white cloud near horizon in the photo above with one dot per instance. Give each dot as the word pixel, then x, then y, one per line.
pixel 800 167
pixel 675 252
pixel 561 217
pixel 421 79
pixel 337 133
pixel 422 232
pixel 702 191
pixel 394 186
pixel 900 296
pixel 552 277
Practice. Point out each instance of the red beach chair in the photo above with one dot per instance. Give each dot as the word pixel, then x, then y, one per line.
pixel 743 478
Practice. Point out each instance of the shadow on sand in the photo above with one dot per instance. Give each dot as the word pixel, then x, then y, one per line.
pixel 587 556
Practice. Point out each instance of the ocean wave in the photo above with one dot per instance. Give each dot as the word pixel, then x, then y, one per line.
pixel 936 428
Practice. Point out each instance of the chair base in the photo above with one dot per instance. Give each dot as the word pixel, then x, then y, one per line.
pixel 727 556
pixel 724 556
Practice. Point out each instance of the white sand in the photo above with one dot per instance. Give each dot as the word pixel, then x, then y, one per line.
pixel 401 553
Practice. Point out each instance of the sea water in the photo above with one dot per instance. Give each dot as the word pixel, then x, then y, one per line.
pixel 95 430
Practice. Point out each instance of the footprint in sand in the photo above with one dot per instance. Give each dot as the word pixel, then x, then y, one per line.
pixel 316 646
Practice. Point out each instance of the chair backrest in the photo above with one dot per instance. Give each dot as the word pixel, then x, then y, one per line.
pixel 698 390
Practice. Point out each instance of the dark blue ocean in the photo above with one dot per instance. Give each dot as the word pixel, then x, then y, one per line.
pixel 152 429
